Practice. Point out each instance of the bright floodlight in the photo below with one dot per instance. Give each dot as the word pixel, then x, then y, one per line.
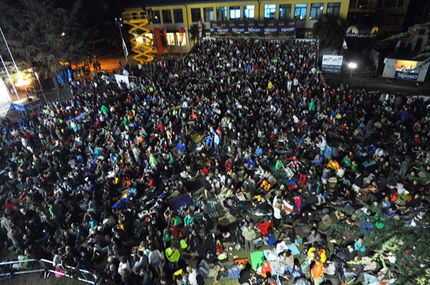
pixel 352 65
pixel 22 82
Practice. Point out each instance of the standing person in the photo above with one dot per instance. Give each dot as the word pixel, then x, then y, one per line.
pixel 155 258
pixel 250 235
pixel 322 145
pixel 173 256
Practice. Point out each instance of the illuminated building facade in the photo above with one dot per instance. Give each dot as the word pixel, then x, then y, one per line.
pixel 166 27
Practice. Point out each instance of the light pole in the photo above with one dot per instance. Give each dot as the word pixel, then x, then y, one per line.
pixel 8 49
pixel 352 66
pixel 14 64
pixel 10 79
pixel 41 88
pixel 118 21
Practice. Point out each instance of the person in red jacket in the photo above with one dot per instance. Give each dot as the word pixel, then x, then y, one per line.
pixel 265 226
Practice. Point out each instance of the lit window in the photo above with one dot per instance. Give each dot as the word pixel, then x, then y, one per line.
pixel 235 13
pixel 300 11
pixel 269 11
pixel 248 11
pixel 221 13
pixel 209 14
pixel 316 10
pixel 171 39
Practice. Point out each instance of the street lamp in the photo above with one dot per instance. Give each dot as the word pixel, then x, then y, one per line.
pixel 352 65
pixel 118 21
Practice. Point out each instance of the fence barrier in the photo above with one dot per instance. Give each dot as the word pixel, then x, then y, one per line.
pixel 44 267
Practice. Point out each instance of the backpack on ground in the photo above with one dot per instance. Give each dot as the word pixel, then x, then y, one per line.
pixel 200 279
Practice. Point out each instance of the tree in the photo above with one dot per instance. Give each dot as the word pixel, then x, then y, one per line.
pixel 194 33
pixel 44 35
pixel 330 31
pixel 423 55
pixel 384 235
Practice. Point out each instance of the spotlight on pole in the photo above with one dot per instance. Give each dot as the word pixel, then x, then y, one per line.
pixel 352 65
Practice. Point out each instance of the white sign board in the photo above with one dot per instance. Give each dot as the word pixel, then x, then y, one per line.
pixel 332 63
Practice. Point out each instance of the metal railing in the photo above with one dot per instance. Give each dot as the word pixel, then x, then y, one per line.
pixel 43 266
pixel 16 267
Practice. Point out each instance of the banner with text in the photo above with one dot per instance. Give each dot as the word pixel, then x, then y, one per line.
pixel 332 63
pixel 254 30
pixel 181 35
pixel 158 41
pixel 405 69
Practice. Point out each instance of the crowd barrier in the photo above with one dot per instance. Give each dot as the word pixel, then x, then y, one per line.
pixel 44 267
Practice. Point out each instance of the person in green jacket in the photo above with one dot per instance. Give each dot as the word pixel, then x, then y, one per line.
pixel 312 106
pixel 172 254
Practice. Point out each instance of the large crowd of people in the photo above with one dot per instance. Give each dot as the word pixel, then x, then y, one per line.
pixel 239 144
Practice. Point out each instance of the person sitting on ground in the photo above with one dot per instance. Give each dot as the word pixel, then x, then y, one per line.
pixel 228 271
pixel 264 226
pixel 313 237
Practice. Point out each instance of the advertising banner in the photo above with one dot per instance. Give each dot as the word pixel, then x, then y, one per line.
pixel 261 30
pixel 406 75
pixel 332 63
pixel 181 38
pixel 158 42
pixel 405 69
pixel 165 34
pixel 181 35
pixel 253 28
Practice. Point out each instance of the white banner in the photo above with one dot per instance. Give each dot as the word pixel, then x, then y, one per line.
pixel 122 79
pixel 332 60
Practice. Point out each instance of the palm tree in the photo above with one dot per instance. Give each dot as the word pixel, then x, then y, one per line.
pixel 194 33
pixel 423 55
pixel 330 31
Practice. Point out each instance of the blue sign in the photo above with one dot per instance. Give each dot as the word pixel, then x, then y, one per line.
pixel 251 29
pixel 406 75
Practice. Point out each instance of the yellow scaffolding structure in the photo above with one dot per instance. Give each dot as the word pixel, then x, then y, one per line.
pixel 138 19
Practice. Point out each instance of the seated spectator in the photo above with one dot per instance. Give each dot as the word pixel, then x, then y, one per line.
pixel 313 237
pixel 227 272
pixel 264 226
